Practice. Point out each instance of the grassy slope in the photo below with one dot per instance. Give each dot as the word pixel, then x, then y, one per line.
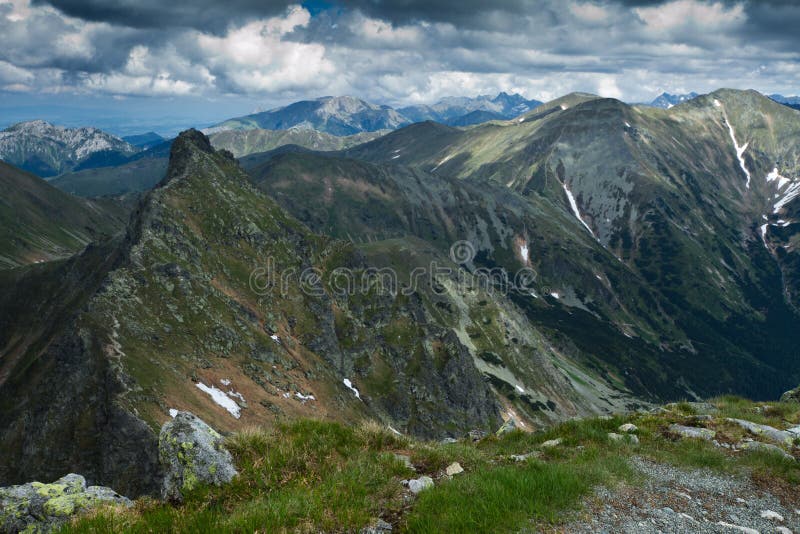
pixel 40 223
pixel 244 142
pixel 311 476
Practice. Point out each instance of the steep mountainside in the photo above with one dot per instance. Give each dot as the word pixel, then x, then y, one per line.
pixel 39 223
pixel 663 194
pixel 244 142
pixel 344 115
pixel 47 150
pixel 208 305
pixel 143 170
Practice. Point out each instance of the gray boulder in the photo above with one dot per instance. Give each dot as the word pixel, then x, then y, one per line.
pixel 793 395
pixel 419 484
pixel 192 453
pixel 38 507
pixel 781 437
pixel 765 447
pixel 692 432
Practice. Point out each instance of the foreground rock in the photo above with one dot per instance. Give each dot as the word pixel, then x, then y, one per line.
pixel 791 395
pixel 781 437
pixel 692 432
pixel 38 507
pixel 191 452
pixel 419 484
pixel 765 447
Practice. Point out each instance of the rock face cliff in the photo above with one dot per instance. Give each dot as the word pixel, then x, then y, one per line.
pixel 168 317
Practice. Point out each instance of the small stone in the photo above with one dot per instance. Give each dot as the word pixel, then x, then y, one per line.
pixel 454 469
pixel 379 527
pixel 551 443
pixel 448 441
pixel 419 484
pixel 628 428
pixel 783 530
pixel 477 435
pixel 524 457
pixel 769 514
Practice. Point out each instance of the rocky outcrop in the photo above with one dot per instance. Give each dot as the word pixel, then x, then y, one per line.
pixel 191 453
pixel 38 507
pixel 793 395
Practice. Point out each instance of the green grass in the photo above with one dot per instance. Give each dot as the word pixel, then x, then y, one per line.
pixel 312 476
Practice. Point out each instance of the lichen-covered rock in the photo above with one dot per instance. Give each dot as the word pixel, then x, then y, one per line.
pixel 192 453
pixel 791 395
pixel 781 437
pixel 692 432
pixel 764 447
pixel 39 507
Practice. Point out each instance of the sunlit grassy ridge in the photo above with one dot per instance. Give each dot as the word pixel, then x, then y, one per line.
pixel 312 476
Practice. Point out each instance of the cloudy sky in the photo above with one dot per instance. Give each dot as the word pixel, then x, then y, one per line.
pixel 137 64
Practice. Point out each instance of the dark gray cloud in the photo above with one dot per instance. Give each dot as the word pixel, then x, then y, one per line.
pixel 212 15
pixel 397 51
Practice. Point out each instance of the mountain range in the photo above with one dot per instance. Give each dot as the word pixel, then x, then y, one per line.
pixel 48 150
pixel 666 100
pixel 588 256
pixel 348 115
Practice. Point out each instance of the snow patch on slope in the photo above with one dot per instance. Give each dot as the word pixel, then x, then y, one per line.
pixel 221 398
pixel 349 385
pixel 739 150
pixel 574 205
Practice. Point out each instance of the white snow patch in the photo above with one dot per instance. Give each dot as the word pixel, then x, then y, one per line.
pixel 764 234
pixel 523 251
pixel 393 430
pixel 519 388
pixel 173 412
pixel 555 295
pixel 627 124
pixel 563 107
pixel 395 157
pixel 739 150
pixel 791 194
pixel 221 398
pixel 717 103
pixel 521 119
pixel 349 385
pixel 275 338
pixel 574 206
pixel 304 397
pixel 225 382
pixel 775 175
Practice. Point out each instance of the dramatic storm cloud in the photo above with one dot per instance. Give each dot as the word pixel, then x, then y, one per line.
pixel 395 51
